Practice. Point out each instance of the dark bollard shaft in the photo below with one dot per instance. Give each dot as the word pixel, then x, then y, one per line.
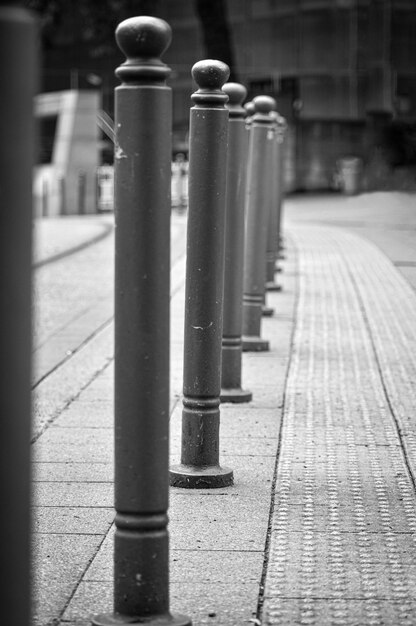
pixel 273 231
pixel 18 76
pixel 231 390
pixel 257 223
pixel 142 277
pixel 282 129
pixel 199 466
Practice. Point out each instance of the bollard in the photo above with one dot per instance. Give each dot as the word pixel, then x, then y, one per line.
pixel 208 132
pixel 257 223
pixel 82 190
pixel 282 132
pixel 273 231
pixel 142 276
pixel 250 109
pixel 179 181
pixel 45 197
pixel 62 195
pixel 231 390
pixel 18 75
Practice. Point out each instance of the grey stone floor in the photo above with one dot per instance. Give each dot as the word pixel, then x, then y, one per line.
pixel 319 526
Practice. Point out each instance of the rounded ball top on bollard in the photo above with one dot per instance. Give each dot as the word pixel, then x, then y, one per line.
pixel 264 104
pixel 143 40
pixel 250 108
pixel 236 94
pixel 210 76
pixel 264 107
pixel 143 37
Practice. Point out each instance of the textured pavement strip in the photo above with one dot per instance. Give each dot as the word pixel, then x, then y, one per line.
pixel 389 303
pixel 342 542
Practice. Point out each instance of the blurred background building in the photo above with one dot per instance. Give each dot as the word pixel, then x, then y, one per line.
pixel 343 72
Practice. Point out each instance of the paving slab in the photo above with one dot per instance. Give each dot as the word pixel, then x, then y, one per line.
pixel 217 581
pixel 325 536
pixel 60 561
pixel 71 471
pixel 53 394
pixel 87 445
pixel 89 495
pixel 208 604
pixel 52 240
pixel 72 520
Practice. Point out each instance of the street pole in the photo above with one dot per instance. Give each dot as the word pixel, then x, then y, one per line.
pixel 282 129
pixel 18 77
pixel 208 133
pixel 231 390
pixel 142 276
pixel 273 231
pixel 257 222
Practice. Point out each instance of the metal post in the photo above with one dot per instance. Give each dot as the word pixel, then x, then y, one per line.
pixel 45 197
pixel 204 283
pixel 282 134
pixel 62 195
pixel 250 109
pixel 273 231
pixel 257 223
pixel 18 77
pixel 82 190
pixel 142 275
pixel 231 390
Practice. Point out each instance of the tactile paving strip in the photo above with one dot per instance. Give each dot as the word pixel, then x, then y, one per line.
pixel 389 304
pixel 343 532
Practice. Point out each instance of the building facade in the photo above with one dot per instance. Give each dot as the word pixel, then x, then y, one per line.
pixel 339 69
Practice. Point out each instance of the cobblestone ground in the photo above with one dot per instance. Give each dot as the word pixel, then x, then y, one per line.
pixel 342 537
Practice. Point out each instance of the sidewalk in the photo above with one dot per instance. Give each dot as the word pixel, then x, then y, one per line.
pixel 52 242
pixel 319 527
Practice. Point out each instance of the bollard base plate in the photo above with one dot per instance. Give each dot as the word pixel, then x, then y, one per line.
pixel 267 311
pixel 190 477
pixel 255 344
pixel 236 395
pixel 272 286
pixel 112 619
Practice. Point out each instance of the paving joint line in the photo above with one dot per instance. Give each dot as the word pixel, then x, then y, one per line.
pixel 383 381
pixel 61 328
pixel 260 601
pixel 107 230
pixel 75 587
pixel 70 400
pixel 105 536
pixel 73 352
